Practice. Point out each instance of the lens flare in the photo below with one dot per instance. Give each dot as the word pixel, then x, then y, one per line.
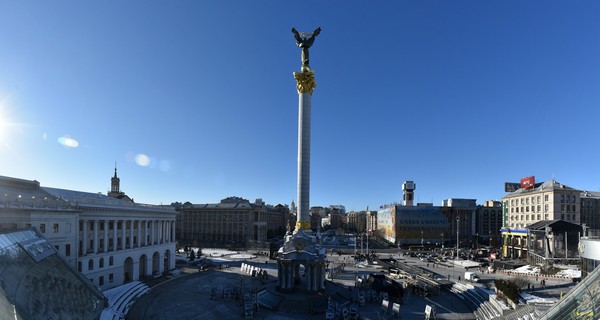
pixel 142 160
pixel 148 161
pixel 68 142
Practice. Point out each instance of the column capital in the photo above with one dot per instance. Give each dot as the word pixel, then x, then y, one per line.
pixel 305 81
pixel 302 225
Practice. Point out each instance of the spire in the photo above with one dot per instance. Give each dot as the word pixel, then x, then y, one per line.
pixel 115 182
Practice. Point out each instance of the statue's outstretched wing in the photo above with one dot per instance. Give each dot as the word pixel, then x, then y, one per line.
pixel 299 39
pixel 317 31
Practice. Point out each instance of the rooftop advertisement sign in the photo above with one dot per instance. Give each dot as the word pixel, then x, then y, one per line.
pixel 511 186
pixel 528 182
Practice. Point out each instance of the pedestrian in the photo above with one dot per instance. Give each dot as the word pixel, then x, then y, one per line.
pixel 532 288
pixel 529 286
pixel 458 278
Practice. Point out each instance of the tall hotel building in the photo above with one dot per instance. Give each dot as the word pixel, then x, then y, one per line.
pixel 550 200
pixel 532 205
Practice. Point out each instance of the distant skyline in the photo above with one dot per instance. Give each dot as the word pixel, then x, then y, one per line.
pixel 196 101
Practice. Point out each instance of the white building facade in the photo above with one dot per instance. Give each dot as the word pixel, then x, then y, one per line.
pixel 110 241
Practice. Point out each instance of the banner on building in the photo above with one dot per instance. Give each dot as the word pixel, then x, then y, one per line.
pixel 511 186
pixel 528 182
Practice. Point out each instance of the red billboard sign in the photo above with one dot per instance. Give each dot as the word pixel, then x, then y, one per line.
pixel 528 182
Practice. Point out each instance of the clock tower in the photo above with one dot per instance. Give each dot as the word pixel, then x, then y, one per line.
pixel 409 193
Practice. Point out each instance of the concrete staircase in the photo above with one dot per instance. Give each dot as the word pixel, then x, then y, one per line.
pixel 477 299
pixel 121 298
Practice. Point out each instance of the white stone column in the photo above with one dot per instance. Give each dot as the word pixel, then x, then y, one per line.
pixel 159 232
pixel 152 232
pixel 146 233
pixel 131 234
pixel 105 246
pixel 304 157
pixel 115 235
pixel 84 240
pixel 173 235
pixel 284 275
pixel 123 238
pixel 95 226
pixel 168 230
pixel 139 233
pixel 305 83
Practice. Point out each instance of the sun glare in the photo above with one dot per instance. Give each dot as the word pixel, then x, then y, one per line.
pixel 5 125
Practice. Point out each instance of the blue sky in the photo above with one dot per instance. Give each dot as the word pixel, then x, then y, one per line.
pixel 195 100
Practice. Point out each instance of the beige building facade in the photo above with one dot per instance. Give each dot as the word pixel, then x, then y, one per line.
pixel 232 222
pixel 550 200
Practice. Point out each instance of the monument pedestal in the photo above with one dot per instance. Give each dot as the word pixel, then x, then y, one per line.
pixel 301 261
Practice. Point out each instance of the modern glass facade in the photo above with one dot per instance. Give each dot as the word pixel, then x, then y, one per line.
pixel 583 302
pixel 36 283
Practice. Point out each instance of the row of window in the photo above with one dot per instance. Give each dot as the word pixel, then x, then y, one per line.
pixel 67 249
pixel 120 225
pixel 216 237
pixel 91 264
pixel 525 200
pixel 566 217
pixel 568 198
pixel 215 225
pixel 526 217
pixel 526 209
pixel 215 218
pixel 55 227
pixel 121 245
pixel 564 198
pixel 111 278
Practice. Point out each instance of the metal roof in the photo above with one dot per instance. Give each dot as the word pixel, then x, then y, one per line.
pixel 546 185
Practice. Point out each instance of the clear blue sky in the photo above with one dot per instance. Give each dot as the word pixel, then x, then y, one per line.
pixel 196 101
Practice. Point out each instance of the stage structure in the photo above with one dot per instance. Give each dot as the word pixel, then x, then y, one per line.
pixel 302 249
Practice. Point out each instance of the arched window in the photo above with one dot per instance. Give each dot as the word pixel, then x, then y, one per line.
pixel 91 264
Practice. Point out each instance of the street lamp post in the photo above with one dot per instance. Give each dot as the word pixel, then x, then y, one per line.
pixel 457 225
pixel 442 240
